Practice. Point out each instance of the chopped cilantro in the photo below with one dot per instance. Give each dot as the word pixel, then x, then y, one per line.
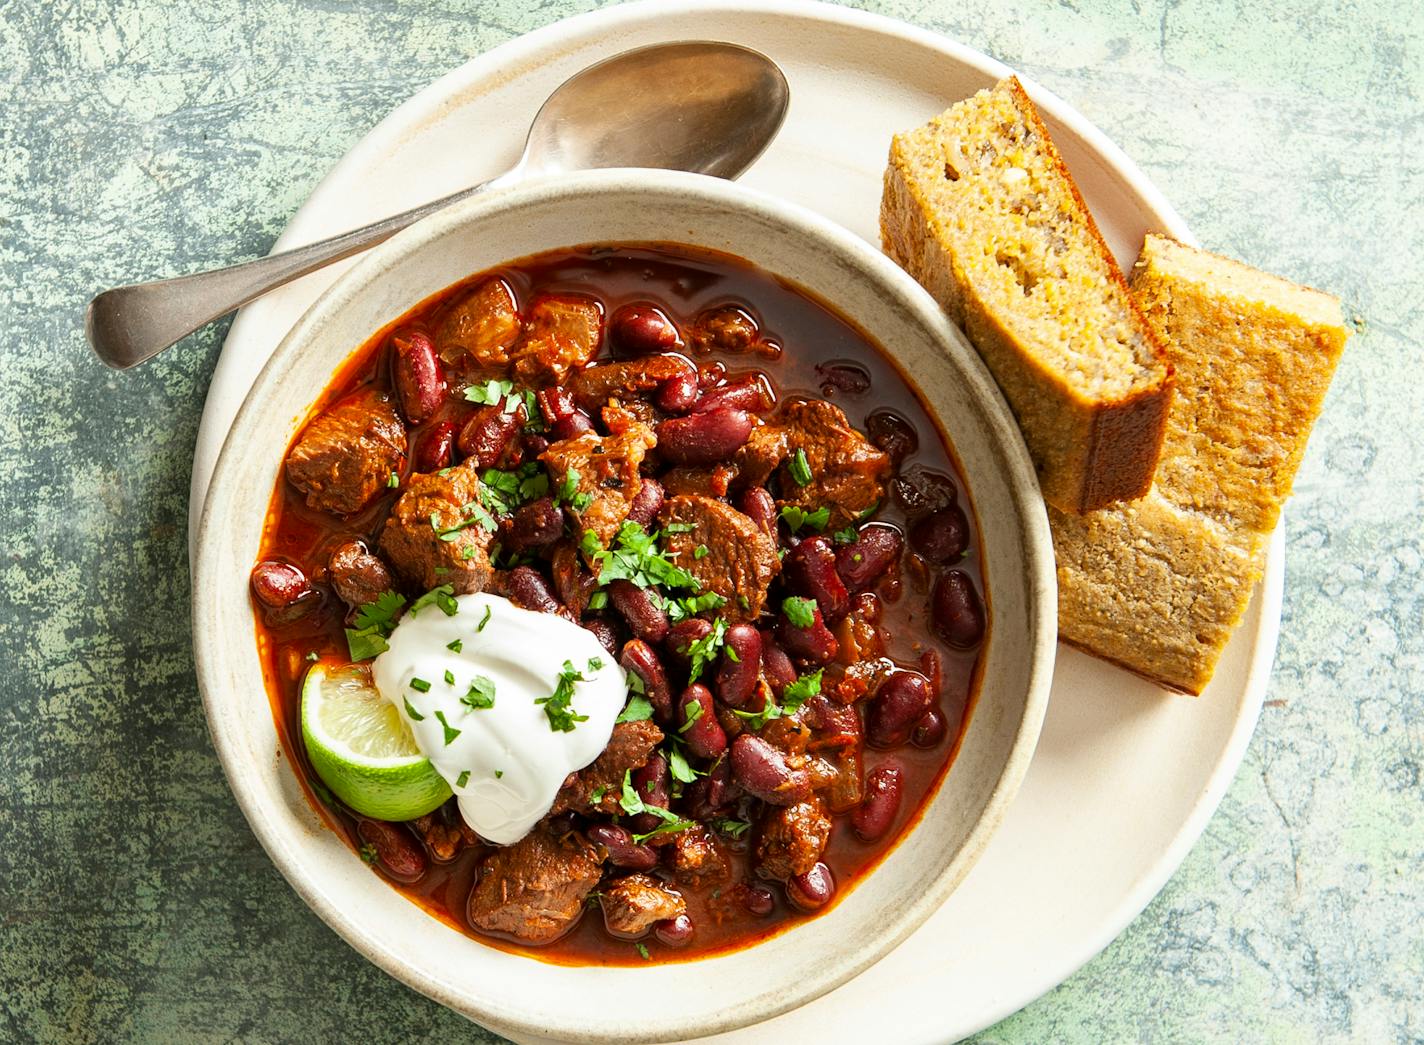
pixel 568 492
pixel 595 664
pixel 798 518
pixel 481 694
pixel 455 645
pixel 485 619
pixel 393 481
pixel 800 612
pixel 700 552
pixel 693 711
pixel 874 507
pixel 642 949
pixel 635 556
pixel 677 764
pixel 419 684
pixel 558 705
pixel 598 600
pixel 415 715
pixel 467 552
pixel 679 527
pixel 846 536
pixel 312 656
pixel 443 596
pixel 800 691
pixel 374 621
pixel 498 773
pixel 704 651
pixel 800 468
pixel 503 491
pixel 462 779
pixel 450 731
pixel 369 854
pixel 449 677
pixel 734 828
pixel 596 795
pixel 692 605
pixel 632 804
pixel 475 516
pixel 490 393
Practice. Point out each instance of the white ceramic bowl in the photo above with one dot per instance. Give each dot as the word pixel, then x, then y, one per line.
pixel 683 999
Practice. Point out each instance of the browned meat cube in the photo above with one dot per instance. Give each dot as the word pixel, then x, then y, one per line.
pixel 711 480
pixel 438 533
pixel 740 560
pixel 356 574
pixel 848 473
pixel 695 854
pixel 595 386
pixel 563 331
pixel 792 839
pixel 628 748
pixel 534 890
pixel 479 329
pixel 445 832
pixel 607 477
pixel 631 905
pixel 346 456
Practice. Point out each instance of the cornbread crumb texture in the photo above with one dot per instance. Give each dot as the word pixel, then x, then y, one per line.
pixel 980 209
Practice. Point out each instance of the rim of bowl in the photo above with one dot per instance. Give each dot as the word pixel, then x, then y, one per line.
pixel 1019 477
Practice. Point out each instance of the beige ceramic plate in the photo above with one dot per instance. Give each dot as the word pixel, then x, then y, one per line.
pixel 526 995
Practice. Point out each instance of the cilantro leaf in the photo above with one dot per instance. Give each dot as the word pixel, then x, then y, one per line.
pixel 639 709
pixel 443 596
pixel 798 518
pixel 800 469
pixel 800 612
pixel 558 706
pixel 678 766
pixel 846 536
pixel 704 651
pixel 800 691
pixel 416 716
pixel 734 828
pixel 450 731
pixel 462 779
pixel 490 393
pixel 365 643
pixel 635 556
pixel 481 694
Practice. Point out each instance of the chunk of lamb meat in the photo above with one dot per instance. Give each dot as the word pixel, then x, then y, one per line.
pixel 435 534
pixel 534 890
pixel 357 575
pixel 695 854
pixel 740 561
pixel 628 748
pixel 346 456
pixel 445 832
pixel 607 475
pixel 848 473
pixel 478 331
pixel 632 905
pixel 595 386
pixel 792 839
pixel 562 331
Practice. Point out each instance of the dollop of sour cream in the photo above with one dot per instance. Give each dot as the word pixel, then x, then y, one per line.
pixel 506 761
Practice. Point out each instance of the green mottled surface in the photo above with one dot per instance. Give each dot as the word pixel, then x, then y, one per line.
pixel 142 137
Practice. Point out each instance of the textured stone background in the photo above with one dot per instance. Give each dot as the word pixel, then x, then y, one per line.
pixel 143 138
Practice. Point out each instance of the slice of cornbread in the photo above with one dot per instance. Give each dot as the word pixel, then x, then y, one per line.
pixel 979 208
pixel 1159 585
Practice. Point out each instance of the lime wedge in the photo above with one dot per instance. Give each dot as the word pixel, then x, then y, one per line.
pixel 362 748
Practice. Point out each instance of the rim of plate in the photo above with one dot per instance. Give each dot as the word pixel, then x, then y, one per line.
pixel 903 294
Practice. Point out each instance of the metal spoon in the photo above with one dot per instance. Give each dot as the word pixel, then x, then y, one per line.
pixel 700 106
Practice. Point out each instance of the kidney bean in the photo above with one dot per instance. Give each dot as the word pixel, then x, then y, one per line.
pixel 762 770
pixel 874 551
pixel 555 404
pixel 488 434
pixel 810 570
pixel 640 328
pixel 776 665
pixel 279 585
pixel 893 434
pixel 899 703
pixel 535 525
pixel 642 660
pixel 646 618
pixel 563 824
pixel 417 375
pixel 646 503
pixel 941 536
pixel 700 730
pixel 750 395
pixel 703 438
pixel 922 490
pixel 604 631
pixel 680 638
pixel 758 900
pixel 930 730
pixel 674 932
pixel 709 795
pixel 435 448
pixel 397 853
pixel 956 611
pixel 650 781
pixel 815 644
pixel 529 590
pixel 622 850
pixel 760 507
pixel 532 444
pixel 740 665
pixel 573 426
pixel 677 394
pixel 843 376
pixel 876 813
pixel 813 890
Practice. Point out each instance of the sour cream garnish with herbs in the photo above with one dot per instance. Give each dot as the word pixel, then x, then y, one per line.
pixel 504 702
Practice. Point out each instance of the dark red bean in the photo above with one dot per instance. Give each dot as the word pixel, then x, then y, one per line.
pixel 941 536
pixel 680 638
pixel 488 433
pixel 758 900
pixel 709 795
pixel 892 433
pixel 836 724
pixel 930 730
pixel 762 770
pixel 528 589
pixel 701 732
pixel 810 570
pixel 622 850
pixel 956 611
pixel 776 665
pixel 813 890
pixel 650 781
pixel 555 404
pixel 563 824
pixel 418 377
pixel 876 813
pixel 752 395
pixel 535 525
pixel 922 490
pixel 899 703
pixel 640 328
pixel 646 618
pixel 604 631
pixel 279 585
pixel 435 448
pixel 533 445
pixel 740 665
pixel 760 507
pixel 875 550
pixel 674 932
pixel 646 503
pixel 843 376
pixel 814 644
pixel 703 438
pixel 642 660
pixel 676 395
pixel 397 853
pixel 573 426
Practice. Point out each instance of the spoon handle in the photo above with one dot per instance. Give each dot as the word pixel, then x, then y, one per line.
pixel 129 324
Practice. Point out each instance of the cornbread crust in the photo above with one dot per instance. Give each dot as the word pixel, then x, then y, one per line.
pixel 979 208
pixel 1159 585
